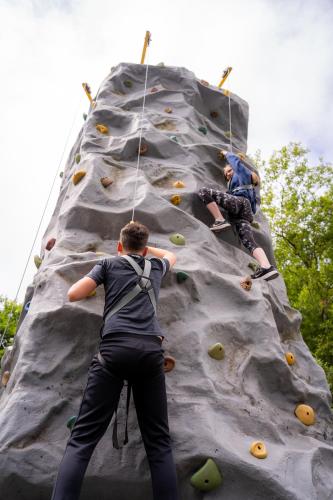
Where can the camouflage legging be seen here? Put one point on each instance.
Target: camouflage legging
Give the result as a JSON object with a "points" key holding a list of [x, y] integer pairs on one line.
{"points": [[239, 213]]}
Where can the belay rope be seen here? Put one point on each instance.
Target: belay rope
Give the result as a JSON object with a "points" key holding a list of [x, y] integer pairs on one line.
{"points": [[140, 138]]}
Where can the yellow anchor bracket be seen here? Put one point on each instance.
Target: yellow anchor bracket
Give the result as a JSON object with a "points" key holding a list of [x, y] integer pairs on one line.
{"points": [[225, 75], [145, 45], [87, 90]]}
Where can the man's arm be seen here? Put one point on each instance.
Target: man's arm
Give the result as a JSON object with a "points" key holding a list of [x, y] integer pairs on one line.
{"points": [[163, 254], [81, 289], [236, 163]]}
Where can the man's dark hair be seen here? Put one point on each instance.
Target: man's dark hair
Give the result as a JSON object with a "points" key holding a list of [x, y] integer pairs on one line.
{"points": [[134, 236]]}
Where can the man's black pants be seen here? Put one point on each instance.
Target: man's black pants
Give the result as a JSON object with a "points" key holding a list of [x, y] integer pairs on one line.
{"points": [[138, 359]]}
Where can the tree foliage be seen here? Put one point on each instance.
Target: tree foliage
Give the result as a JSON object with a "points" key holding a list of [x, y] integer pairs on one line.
{"points": [[298, 199], [9, 314]]}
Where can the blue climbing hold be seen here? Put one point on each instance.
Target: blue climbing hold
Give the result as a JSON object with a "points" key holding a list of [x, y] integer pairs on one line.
{"points": [[26, 307], [70, 422]]}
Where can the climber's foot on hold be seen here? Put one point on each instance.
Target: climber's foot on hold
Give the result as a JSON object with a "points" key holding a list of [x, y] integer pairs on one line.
{"points": [[267, 274], [220, 225]]}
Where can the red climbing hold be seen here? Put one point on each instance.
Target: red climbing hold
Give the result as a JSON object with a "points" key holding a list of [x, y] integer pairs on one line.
{"points": [[153, 90], [143, 149], [50, 244]]}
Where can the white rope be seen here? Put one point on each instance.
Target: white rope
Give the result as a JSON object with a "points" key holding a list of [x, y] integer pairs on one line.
{"points": [[140, 138], [40, 222], [230, 131]]}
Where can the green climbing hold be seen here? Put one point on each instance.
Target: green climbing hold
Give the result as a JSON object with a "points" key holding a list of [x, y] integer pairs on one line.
{"points": [[177, 239], [174, 138], [70, 422], [61, 175], [128, 83], [208, 478], [85, 116], [37, 261], [255, 224], [216, 351], [78, 158], [253, 265], [203, 130], [181, 276]]}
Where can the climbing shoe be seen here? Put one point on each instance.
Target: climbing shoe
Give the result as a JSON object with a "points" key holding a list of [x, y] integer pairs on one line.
{"points": [[220, 225], [266, 274]]}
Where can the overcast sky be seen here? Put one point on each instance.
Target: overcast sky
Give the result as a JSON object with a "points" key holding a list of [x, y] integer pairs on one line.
{"points": [[281, 52]]}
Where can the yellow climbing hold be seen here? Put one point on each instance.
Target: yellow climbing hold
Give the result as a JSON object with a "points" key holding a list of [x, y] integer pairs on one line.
{"points": [[178, 184], [106, 181], [290, 358], [305, 414], [216, 351], [242, 156], [5, 378], [246, 283], [168, 110], [177, 239], [100, 253], [221, 155], [92, 294], [207, 478], [175, 199], [103, 129], [258, 449], [37, 261], [78, 176], [226, 92]]}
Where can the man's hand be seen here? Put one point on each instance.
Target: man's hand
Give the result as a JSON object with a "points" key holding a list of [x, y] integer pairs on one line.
{"points": [[81, 289]]}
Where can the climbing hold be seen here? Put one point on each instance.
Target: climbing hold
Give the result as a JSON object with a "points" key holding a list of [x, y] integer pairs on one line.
{"points": [[204, 82], [228, 134], [78, 176], [50, 244], [5, 378], [181, 276], [143, 149], [70, 422], [255, 224], [27, 306], [177, 239], [128, 84], [175, 199], [85, 116], [103, 129], [174, 138], [226, 92], [253, 265], [92, 294], [246, 283], [290, 358], [169, 363], [242, 156], [161, 65], [106, 181], [61, 175], [221, 155], [203, 130], [37, 261], [78, 158], [166, 125], [154, 89], [207, 478], [258, 449], [216, 351], [305, 414], [178, 184], [168, 110], [100, 253], [214, 114]]}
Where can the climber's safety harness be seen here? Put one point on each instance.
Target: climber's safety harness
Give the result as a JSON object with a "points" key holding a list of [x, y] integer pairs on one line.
{"points": [[143, 286], [242, 188]]}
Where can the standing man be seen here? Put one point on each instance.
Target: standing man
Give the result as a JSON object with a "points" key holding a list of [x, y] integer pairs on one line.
{"points": [[130, 349], [240, 204]]}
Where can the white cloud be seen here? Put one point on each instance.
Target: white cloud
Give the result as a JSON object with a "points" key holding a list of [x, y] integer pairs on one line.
{"points": [[281, 52]]}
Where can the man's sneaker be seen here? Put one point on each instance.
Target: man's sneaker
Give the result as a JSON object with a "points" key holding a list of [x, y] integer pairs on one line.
{"points": [[266, 274], [220, 225]]}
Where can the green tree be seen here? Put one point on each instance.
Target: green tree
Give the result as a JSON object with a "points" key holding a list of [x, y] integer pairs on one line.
{"points": [[298, 199], [9, 314]]}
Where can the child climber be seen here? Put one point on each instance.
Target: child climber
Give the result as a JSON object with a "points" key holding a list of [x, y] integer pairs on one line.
{"points": [[240, 204], [130, 349]]}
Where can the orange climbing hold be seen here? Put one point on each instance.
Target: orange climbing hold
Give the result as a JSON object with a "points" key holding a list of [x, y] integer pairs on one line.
{"points": [[78, 176], [5, 378], [143, 149], [290, 358], [169, 363], [168, 110], [178, 184], [175, 199], [246, 283], [106, 181], [103, 129], [258, 449], [305, 414]]}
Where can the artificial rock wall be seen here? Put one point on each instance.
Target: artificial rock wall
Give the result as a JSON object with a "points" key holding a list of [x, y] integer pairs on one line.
{"points": [[217, 408]]}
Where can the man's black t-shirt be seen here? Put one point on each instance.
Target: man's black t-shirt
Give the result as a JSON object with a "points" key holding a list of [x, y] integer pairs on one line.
{"points": [[119, 278]]}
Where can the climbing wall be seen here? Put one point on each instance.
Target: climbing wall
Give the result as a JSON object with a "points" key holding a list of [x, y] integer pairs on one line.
{"points": [[222, 398]]}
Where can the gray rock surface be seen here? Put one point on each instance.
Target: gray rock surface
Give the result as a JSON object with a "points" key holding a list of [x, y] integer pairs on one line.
{"points": [[217, 408]]}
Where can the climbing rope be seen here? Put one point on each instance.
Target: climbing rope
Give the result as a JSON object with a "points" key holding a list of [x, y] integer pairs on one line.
{"points": [[230, 131], [140, 137], [40, 223]]}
